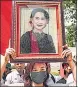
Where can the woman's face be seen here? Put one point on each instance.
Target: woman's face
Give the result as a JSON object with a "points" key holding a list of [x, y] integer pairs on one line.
{"points": [[39, 21], [38, 74], [38, 67], [68, 69]]}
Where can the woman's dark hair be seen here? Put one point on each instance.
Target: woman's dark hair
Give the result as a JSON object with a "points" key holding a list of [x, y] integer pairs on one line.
{"points": [[65, 64], [39, 10], [27, 77]]}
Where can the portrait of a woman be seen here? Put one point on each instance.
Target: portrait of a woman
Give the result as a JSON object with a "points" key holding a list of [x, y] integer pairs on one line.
{"points": [[36, 41]]}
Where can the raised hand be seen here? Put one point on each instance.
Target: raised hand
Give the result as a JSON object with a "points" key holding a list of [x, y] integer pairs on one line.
{"points": [[10, 53]]}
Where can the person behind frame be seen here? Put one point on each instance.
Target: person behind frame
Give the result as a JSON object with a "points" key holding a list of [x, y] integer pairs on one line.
{"points": [[36, 75], [36, 41]]}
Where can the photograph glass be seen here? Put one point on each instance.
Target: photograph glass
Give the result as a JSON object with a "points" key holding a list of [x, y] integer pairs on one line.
{"points": [[44, 35]]}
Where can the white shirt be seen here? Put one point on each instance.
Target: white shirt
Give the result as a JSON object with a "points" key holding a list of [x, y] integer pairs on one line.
{"points": [[14, 77], [70, 80], [50, 82], [17, 85], [57, 78]]}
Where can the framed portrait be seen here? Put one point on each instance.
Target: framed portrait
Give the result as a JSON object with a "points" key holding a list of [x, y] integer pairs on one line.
{"points": [[37, 30]]}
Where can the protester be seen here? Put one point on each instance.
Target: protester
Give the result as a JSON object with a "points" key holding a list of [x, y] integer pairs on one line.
{"points": [[67, 71], [52, 78], [70, 68], [47, 80], [4, 61], [68, 76], [15, 76], [68, 55]]}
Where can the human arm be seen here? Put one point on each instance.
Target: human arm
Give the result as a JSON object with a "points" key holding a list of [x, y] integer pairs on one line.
{"points": [[4, 60], [68, 55]]}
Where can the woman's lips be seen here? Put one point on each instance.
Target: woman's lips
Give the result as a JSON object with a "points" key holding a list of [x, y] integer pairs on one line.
{"points": [[39, 25]]}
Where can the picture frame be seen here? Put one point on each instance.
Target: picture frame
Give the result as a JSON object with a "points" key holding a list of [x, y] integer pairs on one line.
{"points": [[21, 11]]}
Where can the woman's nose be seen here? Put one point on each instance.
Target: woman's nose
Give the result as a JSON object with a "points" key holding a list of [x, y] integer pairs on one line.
{"points": [[19, 64], [40, 21]]}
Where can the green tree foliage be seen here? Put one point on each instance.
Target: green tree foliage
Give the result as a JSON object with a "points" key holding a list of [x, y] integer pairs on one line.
{"points": [[70, 19], [71, 35]]}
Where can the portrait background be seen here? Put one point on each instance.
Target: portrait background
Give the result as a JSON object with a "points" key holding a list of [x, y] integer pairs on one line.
{"points": [[50, 29]]}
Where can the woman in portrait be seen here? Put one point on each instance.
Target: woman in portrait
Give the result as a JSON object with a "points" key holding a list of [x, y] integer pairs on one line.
{"points": [[36, 41]]}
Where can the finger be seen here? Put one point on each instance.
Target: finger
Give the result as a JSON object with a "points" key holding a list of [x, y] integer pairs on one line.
{"points": [[65, 52], [68, 53], [11, 49], [13, 55], [9, 52]]}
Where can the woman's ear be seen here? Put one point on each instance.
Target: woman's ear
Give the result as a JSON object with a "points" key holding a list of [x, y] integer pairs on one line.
{"points": [[47, 21], [30, 21]]}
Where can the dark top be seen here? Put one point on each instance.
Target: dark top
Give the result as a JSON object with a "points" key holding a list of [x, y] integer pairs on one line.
{"points": [[45, 43], [62, 80]]}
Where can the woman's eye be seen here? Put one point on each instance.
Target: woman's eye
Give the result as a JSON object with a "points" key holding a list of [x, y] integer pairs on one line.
{"points": [[42, 69], [34, 70], [17, 64], [37, 18]]}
